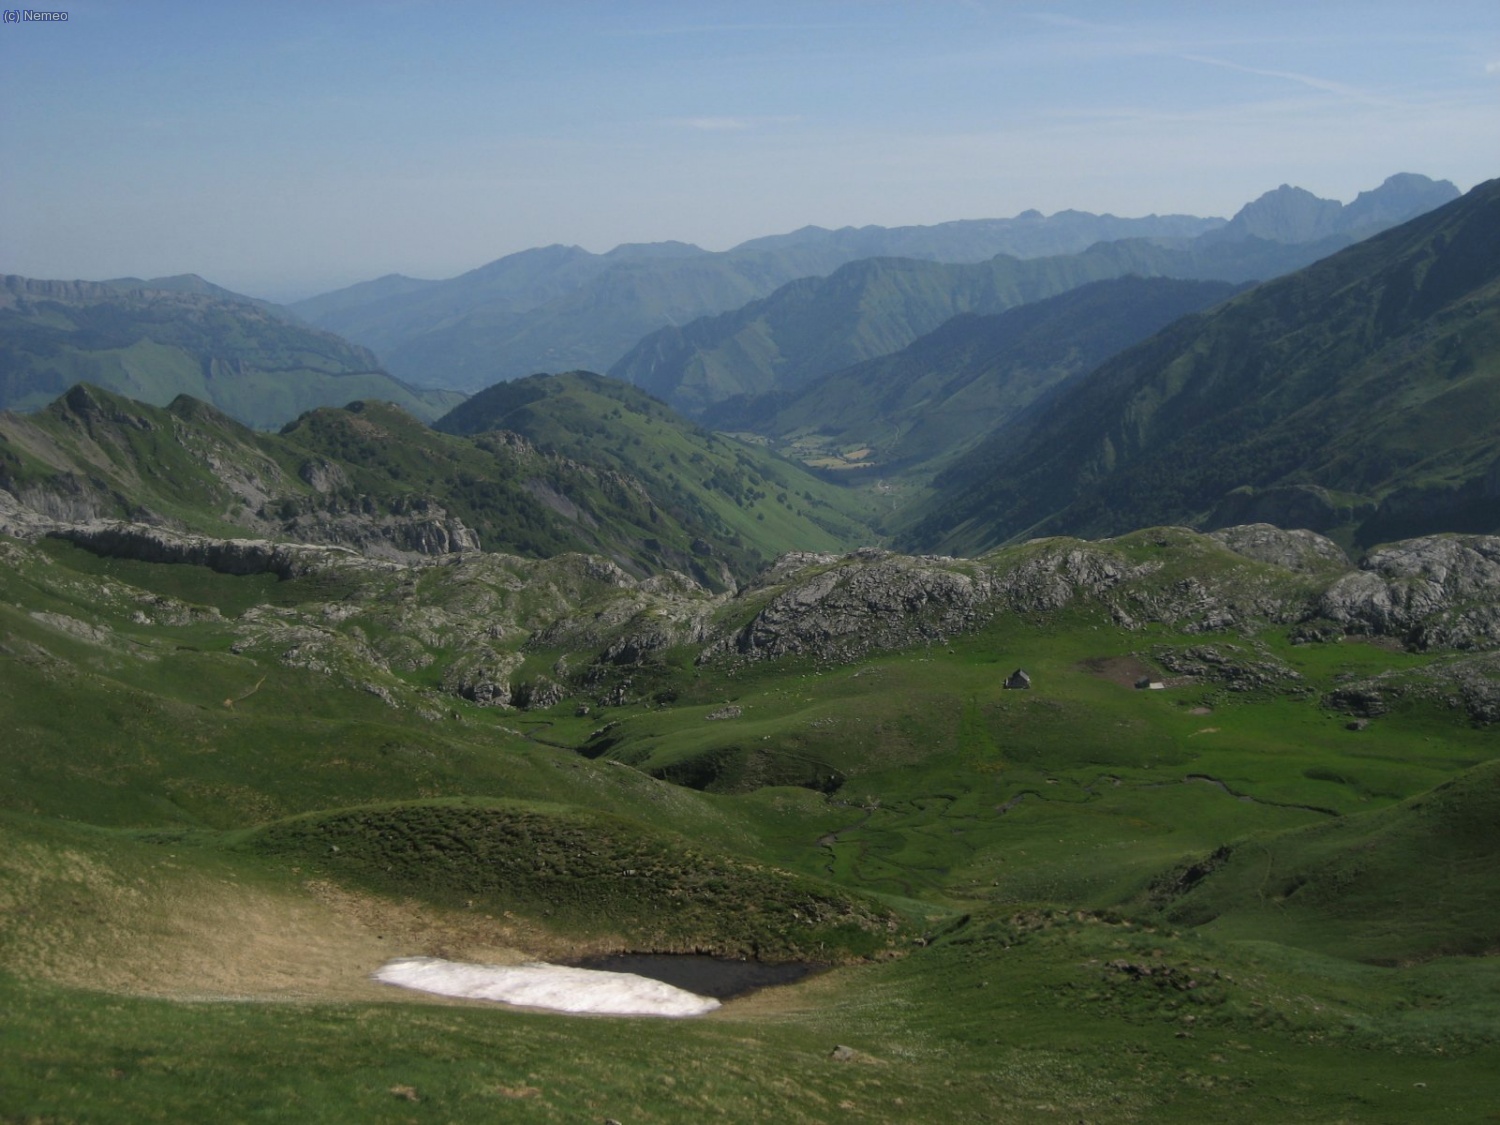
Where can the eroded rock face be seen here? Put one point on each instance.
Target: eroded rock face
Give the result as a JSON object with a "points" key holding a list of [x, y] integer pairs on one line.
{"points": [[67, 498], [74, 509], [226, 556], [417, 527], [1058, 573], [323, 475], [22, 521], [539, 694], [483, 677], [1437, 591]]}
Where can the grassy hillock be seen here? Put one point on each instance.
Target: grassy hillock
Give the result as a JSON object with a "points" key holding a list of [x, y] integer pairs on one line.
{"points": [[586, 872], [153, 341], [1401, 884]]}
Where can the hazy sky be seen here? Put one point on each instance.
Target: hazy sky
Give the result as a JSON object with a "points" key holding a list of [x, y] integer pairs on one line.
{"points": [[284, 149]]}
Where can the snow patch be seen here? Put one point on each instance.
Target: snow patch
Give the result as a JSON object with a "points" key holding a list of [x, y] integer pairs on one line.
{"points": [[539, 985]]}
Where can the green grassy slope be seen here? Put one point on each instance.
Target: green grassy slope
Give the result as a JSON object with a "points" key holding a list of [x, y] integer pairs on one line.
{"points": [[333, 473], [1370, 375], [756, 501], [247, 358], [1409, 882], [1047, 960]]}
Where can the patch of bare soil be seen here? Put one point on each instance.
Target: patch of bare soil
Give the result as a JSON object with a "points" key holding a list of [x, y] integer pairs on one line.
{"points": [[1123, 670], [805, 997], [174, 933]]}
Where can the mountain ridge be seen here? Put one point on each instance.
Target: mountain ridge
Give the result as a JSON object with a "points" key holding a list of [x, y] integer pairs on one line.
{"points": [[157, 339], [813, 326], [922, 406], [1368, 374]]}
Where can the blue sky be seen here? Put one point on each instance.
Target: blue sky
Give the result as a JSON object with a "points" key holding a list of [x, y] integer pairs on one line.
{"points": [[285, 149]]}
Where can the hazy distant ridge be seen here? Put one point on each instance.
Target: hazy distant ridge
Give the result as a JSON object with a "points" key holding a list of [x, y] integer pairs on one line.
{"points": [[872, 307], [556, 308], [154, 340]]}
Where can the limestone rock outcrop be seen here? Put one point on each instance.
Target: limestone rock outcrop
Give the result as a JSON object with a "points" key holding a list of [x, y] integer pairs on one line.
{"points": [[1440, 591]]}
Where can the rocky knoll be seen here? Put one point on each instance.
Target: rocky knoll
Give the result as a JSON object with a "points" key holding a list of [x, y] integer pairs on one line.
{"points": [[1470, 682], [1433, 592], [873, 599], [1299, 549]]}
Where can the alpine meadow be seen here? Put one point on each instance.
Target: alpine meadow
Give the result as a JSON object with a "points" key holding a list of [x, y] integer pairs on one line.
{"points": [[940, 669]]}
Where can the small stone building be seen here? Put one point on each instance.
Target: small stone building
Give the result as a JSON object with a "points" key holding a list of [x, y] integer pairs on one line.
{"points": [[1018, 680]]}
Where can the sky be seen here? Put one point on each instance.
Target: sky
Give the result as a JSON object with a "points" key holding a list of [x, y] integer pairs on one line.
{"points": [[283, 150]]}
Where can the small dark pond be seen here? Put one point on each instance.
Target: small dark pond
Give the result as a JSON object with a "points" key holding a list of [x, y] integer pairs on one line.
{"points": [[718, 977]]}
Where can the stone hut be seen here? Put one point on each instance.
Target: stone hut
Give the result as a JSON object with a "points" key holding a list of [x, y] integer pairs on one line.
{"points": [[1018, 680]]}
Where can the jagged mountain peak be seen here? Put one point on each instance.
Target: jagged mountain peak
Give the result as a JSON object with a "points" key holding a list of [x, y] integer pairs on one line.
{"points": [[1294, 214]]}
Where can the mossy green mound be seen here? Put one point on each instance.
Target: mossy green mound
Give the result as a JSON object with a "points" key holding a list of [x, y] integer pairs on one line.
{"points": [[588, 872]]}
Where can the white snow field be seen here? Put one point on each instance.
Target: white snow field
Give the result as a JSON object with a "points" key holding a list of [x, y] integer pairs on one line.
{"points": [[539, 985]]}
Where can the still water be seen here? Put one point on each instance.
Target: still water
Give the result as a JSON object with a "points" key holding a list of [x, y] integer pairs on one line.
{"points": [[719, 977]]}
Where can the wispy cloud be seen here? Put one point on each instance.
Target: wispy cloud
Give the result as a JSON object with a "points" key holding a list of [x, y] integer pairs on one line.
{"points": [[1327, 85], [1493, 68]]}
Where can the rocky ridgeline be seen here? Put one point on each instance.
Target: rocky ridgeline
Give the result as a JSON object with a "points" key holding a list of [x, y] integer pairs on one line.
{"points": [[842, 608], [485, 619]]}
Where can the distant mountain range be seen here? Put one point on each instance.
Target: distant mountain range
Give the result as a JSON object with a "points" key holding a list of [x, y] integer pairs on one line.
{"points": [[1136, 382], [1358, 396], [557, 308], [560, 308], [154, 340], [873, 307]]}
